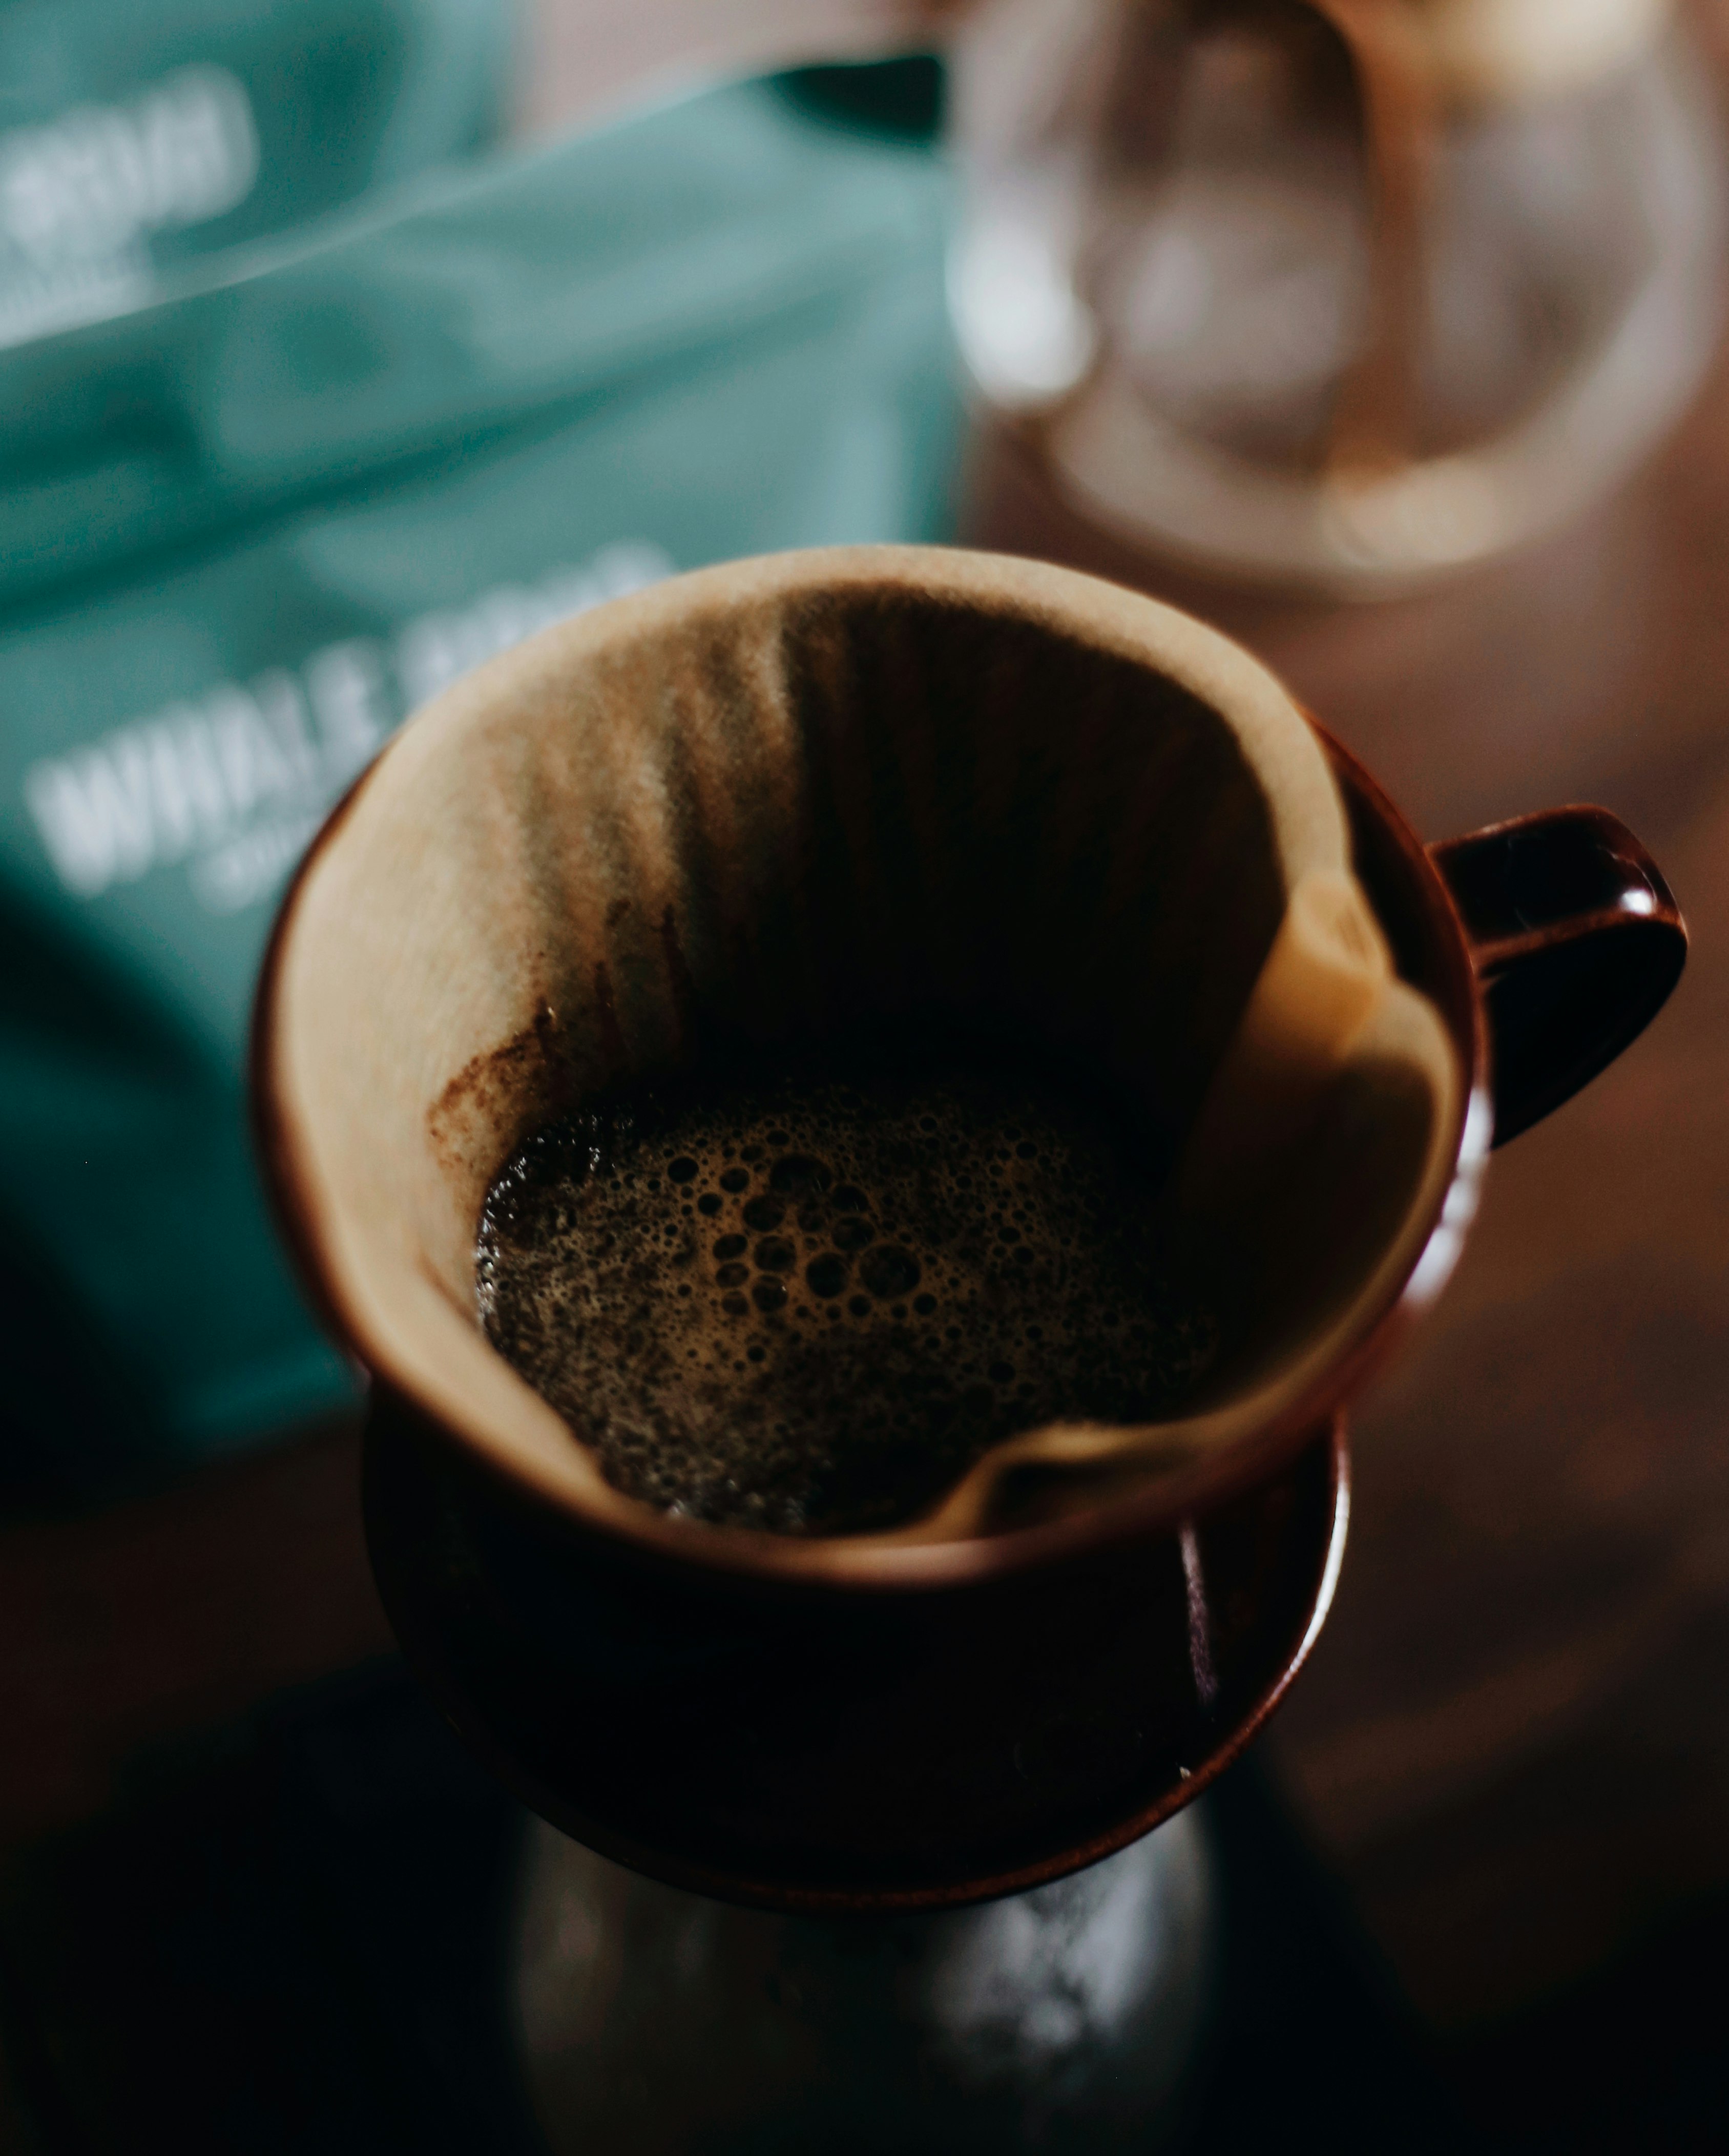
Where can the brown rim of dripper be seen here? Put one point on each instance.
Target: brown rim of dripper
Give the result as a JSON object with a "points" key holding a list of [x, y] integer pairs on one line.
{"points": [[893, 779]]}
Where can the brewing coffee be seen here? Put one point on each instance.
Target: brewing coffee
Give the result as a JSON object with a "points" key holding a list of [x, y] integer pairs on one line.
{"points": [[809, 1302]]}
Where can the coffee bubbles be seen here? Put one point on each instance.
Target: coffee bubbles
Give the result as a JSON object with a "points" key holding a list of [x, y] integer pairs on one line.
{"points": [[810, 1304]]}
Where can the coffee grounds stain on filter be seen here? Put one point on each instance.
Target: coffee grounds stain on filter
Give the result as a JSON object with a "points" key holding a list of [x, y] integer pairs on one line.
{"points": [[471, 1103]]}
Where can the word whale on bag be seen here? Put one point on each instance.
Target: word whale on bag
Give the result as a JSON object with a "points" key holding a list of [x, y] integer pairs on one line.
{"points": [[236, 782]]}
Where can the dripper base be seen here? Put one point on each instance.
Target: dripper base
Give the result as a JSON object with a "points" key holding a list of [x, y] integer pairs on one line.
{"points": [[824, 1752]]}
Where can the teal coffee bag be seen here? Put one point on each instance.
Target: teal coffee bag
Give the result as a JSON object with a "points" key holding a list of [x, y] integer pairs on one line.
{"points": [[245, 533]]}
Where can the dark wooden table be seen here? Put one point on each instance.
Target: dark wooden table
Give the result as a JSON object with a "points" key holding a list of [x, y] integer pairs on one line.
{"points": [[1514, 1739]]}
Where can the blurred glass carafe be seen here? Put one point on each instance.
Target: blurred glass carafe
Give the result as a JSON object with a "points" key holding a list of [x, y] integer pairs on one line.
{"points": [[1341, 293]]}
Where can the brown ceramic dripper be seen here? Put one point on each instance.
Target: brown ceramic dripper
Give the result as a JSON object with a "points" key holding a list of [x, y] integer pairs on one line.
{"points": [[757, 802]]}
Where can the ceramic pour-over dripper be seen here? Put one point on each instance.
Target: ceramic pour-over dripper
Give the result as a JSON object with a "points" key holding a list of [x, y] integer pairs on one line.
{"points": [[768, 801], [763, 803]]}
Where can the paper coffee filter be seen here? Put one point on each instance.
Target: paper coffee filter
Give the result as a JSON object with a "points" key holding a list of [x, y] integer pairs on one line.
{"points": [[788, 798]]}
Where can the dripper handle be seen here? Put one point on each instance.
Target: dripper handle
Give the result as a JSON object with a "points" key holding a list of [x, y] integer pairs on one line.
{"points": [[1576, 941]]}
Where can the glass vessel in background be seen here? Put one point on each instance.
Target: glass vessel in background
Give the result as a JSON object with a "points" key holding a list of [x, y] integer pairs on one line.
{"points": [[1340, 293]]}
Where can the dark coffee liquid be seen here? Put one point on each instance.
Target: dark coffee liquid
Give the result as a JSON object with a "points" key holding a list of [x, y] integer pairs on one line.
{"points": [[809, 1305]]}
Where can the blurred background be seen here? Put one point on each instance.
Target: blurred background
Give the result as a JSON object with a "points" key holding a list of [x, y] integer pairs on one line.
{"points": [[341, 347]]}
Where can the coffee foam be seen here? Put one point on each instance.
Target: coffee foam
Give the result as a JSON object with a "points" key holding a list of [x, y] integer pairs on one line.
{"points": [[809, 1305]]}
